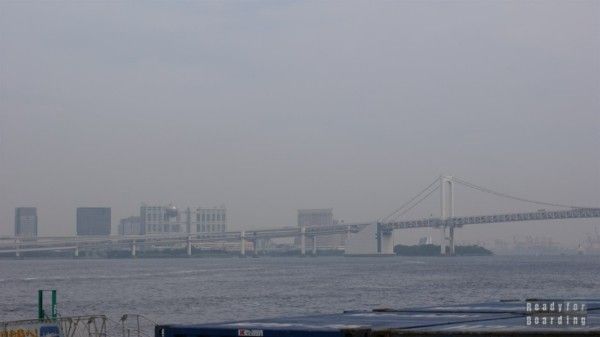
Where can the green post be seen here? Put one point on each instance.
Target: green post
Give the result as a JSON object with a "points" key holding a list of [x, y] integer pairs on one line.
{"points": [[54, 304], [40, 305], [41, 312]]}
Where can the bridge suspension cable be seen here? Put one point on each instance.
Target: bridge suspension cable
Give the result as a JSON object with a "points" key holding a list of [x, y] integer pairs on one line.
{"points": [[395, 214], [415, 204], [504, 195]]}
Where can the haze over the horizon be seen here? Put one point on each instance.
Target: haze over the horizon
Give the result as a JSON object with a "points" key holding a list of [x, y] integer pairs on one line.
{"points": [[268, 107]]}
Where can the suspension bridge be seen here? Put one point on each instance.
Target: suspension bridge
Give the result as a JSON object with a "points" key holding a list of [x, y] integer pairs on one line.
{"points": [[382, 228], [447, 222]]}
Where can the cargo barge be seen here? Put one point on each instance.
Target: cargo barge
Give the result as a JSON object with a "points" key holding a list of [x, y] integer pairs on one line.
{"points": [[533, 317]]}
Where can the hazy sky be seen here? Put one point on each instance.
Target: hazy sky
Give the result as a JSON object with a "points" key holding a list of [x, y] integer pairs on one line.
{"points": [[268, 107]]}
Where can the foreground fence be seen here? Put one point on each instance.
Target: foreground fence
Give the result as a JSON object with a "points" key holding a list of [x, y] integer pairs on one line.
{"points": [[129, 325]]}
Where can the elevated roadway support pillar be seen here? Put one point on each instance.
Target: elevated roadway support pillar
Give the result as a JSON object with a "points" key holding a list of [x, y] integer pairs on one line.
{"points": [[314, 245], [451, 238], [259, 245], [189, 245], [76, 253], [378, 238], [264, 244], [133, 249], [255, 247], [243, 244], [303, 241]]}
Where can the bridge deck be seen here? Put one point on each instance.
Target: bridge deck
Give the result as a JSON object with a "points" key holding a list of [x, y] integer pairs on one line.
{"points": [[40, 244], [497, 218]]}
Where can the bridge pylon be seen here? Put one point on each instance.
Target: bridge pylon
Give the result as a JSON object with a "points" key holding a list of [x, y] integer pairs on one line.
{"points": [[385, 244], [447, 211]]}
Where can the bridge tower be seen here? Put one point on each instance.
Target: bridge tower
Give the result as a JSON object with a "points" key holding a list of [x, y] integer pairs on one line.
{"points": [[385, 243], [447, 211]]}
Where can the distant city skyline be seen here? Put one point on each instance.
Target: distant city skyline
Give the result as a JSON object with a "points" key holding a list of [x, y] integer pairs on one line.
{"points": [[133, 225], [271, 107]]}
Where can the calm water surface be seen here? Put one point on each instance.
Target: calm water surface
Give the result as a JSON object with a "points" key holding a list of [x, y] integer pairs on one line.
{"points": [[203, 290]]}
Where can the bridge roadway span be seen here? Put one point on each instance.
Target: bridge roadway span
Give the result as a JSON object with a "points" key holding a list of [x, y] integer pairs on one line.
{"points": [[482, 219], [18, 245]]}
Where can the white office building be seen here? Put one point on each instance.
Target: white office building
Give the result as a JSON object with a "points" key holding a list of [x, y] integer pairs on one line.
{"points": [[160, 219], [211, 220]]}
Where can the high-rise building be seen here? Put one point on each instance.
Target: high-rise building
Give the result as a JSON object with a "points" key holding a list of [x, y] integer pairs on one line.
{"points": [[320, 217], [93, 221], [131, 226], [211, 220], [26, 222], [160, 219]]}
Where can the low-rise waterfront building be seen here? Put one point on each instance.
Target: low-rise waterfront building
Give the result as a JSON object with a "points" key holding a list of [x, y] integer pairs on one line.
{"points": [[131, 226]]}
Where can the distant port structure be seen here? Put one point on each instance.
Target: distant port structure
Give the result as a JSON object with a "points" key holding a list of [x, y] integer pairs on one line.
{"points": [[377, 232]]}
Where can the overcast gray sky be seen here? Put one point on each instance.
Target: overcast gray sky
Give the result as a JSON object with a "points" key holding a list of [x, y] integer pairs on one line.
{"points": [[268, 107]]}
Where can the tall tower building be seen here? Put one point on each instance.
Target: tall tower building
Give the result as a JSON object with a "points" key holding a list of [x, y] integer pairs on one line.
{"points": [[93, 220], [26, 222]]}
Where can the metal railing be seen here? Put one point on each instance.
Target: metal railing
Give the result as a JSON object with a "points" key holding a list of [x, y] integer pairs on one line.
{"points": [[129, 325]]}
